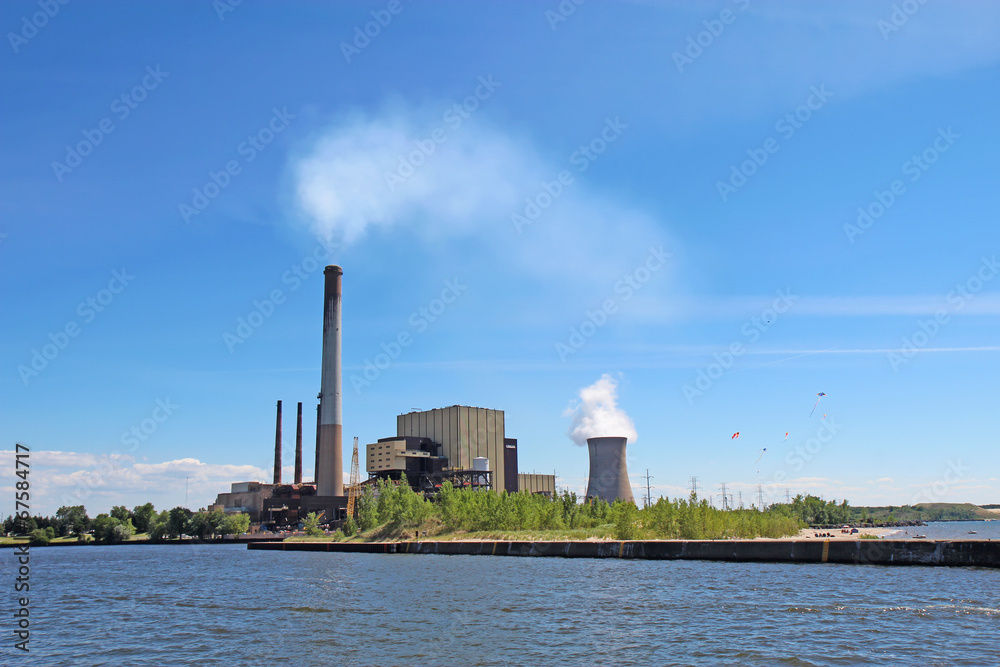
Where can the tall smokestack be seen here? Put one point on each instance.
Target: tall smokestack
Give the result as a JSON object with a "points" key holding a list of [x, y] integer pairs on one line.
{"points": [[316, 465], [277, 447], [608, 474], [330, 474], [298, 446]]}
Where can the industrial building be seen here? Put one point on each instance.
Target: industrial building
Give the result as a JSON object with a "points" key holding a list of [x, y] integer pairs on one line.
{"points": [[461, 444]]}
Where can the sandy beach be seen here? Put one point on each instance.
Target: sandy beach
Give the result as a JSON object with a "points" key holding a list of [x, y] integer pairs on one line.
{"points": [[835, 534]]}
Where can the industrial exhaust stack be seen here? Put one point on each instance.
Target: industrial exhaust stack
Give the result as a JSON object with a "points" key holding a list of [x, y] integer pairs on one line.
{"points": [[608, 474], [298, 446], [277, 447], [330, 464]]}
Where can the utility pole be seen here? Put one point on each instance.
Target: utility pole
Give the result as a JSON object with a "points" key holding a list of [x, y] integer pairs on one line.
{"points": [[694, 485], [649, 498], [724, 503]]}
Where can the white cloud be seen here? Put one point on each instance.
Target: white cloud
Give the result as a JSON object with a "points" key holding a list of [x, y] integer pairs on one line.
{"points": [[99, 481]]}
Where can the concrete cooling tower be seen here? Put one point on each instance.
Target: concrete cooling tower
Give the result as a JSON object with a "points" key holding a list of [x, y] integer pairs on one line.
{"points": [[608, 474]]}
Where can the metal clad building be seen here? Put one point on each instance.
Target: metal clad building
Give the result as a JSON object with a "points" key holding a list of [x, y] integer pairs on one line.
{"points": [[464, 432], [535, 483]]}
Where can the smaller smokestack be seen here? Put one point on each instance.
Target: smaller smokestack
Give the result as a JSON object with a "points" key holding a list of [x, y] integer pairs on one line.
{"points": [[298, 446], [277, 447], [316, 469]]}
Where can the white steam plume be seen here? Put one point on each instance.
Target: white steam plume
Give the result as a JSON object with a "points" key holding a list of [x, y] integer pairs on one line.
{"points": [[597, 414]]}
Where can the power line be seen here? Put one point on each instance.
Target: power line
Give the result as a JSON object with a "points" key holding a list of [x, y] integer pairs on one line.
{"points": [[649, 499]]}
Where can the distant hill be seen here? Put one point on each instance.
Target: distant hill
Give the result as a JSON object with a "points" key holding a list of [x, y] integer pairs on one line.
{"points": [[959, 510], [926, 512]]}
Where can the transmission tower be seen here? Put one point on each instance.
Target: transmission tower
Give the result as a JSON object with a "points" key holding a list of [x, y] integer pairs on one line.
{"points": [[352, 490], [724, 501], [649, 499], [694, 485], [760, 497], [788, 497], [741, 499]]}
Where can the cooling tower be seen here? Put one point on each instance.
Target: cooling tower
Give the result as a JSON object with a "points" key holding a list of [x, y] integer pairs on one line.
{"points": [[608, 474], [330, 461]]}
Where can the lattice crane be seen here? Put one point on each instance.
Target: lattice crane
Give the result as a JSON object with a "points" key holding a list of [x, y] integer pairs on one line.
{"points": [[355, 483]]}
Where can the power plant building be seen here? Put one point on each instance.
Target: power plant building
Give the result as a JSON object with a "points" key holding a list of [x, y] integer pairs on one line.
{"points": [[453, 443]]}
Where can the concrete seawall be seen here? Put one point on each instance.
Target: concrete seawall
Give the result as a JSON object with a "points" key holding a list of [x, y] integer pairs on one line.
{"points": [[975, 553]]}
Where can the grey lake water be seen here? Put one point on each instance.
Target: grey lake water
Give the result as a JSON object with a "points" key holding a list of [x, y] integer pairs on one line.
{"points": [[225, 605]]}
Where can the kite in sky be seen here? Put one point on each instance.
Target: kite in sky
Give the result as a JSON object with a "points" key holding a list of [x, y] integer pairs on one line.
{"points": [[761, 456], [735, 435], [820, 398], [786, 435]]}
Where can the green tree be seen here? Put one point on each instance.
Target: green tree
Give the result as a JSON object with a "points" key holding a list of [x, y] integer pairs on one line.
{"points": [[312, 525], [159, 525], [142, 516], [42, 536], [74, 520], [235, 524], [121, 513], [110, 530], [178, 522]]}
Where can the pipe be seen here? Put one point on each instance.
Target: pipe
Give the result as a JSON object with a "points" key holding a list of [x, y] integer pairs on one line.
{"points": [[298, 446], [330, 477], [277, 447]]}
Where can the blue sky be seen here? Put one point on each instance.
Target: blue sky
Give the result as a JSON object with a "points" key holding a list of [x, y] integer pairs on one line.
{"points": [[686, 175]]}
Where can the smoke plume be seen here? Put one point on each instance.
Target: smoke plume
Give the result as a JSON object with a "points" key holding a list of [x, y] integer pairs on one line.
{"points": [[596, 413]]}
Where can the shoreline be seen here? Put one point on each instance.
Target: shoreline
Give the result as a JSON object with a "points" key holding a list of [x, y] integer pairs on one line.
{"points": [[954, 553]]}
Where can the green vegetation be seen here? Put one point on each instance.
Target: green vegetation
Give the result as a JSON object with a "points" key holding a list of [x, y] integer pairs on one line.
{"points": [[312, 525], [123, 525], [397, 512], [921, 512]]}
